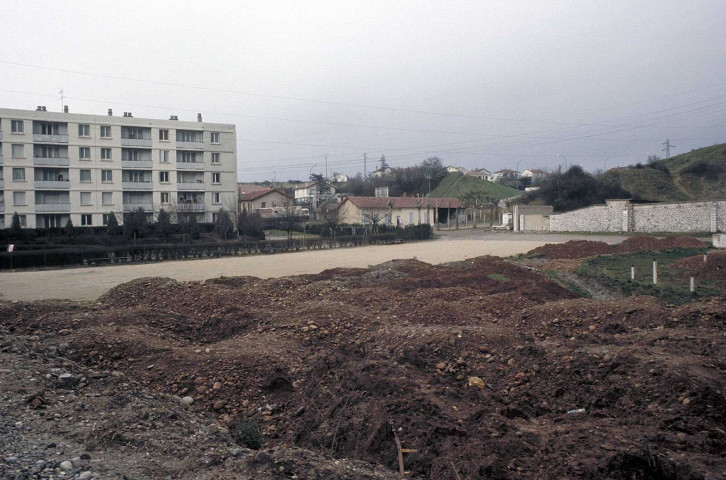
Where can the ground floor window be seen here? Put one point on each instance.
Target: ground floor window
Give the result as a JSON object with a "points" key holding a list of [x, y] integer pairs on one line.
{"points": [[87, 220]]}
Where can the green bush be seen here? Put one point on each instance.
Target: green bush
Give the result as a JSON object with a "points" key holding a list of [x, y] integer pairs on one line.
{"points": [[246, 434]]}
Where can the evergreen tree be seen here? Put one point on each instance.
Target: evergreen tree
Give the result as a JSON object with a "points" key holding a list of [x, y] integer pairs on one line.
{"points": [[112, 228], [163, 223], [15, 228], [224, 226]]}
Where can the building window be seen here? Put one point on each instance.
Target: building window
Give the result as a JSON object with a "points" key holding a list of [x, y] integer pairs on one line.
{"points": [[217, 198], [17, 126], [84, 153], [85, 198], [216, 177], [106, 176], [215, 158], [105, 131], [85, 175], [105, 218], [87, 220], [23, 220], [105, 154], [188, 136], [18, 174], [18, 151], [18, 198], [164, 177], [84, 130], [214, 137], [164, 135], [165, 197], [163, 156], [107, 198]]}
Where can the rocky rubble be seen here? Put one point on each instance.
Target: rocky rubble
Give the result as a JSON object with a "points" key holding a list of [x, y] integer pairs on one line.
{"points": [[480, 369]]}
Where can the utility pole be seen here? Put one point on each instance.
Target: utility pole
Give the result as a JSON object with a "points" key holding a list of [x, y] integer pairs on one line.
{"points": [[668, 147], [326, 166], [63, 105], [365, 165]]}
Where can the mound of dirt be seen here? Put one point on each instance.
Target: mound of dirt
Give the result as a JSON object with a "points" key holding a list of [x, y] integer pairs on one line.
{"points": [[587, 248], [640, 243], [572, 249], [713, 268], [481, 369]]}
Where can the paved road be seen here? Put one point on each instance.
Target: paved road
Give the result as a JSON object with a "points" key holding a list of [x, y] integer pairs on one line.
{"points": [[88, 283]]}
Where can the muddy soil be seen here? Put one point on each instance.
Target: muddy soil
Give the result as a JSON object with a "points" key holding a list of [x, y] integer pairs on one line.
{"points": [[477, 369], [587, 248]]}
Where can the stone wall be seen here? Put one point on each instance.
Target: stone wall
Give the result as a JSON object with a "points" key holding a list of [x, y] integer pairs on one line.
{"points": [[623, 216]]}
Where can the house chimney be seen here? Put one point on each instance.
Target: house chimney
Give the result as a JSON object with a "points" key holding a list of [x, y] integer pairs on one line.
{"points": [[40, 108], [173, 117], [199, 117], [65, 108], [130, 114], [110, 112]]}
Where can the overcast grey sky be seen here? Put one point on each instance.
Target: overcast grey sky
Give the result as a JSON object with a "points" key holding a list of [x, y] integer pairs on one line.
{"points": [[479, 84]]}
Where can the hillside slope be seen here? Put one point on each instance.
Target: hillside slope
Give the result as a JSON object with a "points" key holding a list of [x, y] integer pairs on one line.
{"points": [[458, 185], [697, 175]]}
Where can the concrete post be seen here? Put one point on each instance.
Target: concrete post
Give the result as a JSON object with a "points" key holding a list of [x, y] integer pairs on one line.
{"points": [[655, 272], [693, 285], [632, 272]]}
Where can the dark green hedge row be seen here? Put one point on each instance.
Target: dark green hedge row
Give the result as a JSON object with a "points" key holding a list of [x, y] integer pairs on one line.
{"points": [[98, 254]]}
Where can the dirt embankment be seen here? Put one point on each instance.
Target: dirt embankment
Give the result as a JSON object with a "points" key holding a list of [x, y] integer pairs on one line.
{"points": [[586, 248], [480, 369]]}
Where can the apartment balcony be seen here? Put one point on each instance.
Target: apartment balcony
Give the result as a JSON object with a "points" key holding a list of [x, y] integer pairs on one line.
{"points": [[189, 145], [190, 186], [2, 183], [42, 138], [137, 164], [51, 161], [1, 136], [52, 207], [52, 185], [137, 185], [135, 142], [2, 206], [132, 207], [190, 165], [1, 158], [191, 207]]}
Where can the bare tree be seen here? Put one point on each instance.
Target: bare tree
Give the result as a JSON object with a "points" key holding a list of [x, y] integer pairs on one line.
{"points": [[331, 218], [288, 216], [233, 204], [373, 216]]}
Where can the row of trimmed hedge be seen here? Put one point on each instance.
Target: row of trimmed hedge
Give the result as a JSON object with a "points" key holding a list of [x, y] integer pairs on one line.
{"points": [[99, 254]]}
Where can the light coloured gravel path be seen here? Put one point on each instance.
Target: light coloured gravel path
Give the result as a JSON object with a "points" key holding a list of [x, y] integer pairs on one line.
{"points": [[88, 283]]}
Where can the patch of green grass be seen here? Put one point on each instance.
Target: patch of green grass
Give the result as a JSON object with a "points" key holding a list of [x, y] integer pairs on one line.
{"points": [[458, 185], [498, 276], [672, 286]]}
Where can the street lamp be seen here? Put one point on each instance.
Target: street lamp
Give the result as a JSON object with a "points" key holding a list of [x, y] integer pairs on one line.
{"points": [[563, 156], [605, 165], [310, 213]]}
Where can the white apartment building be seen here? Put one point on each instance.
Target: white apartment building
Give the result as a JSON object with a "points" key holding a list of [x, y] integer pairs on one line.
{"points": [[55, 166]]}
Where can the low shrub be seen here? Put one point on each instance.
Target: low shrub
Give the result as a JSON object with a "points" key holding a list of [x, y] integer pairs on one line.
{"points": [[246, 434]]}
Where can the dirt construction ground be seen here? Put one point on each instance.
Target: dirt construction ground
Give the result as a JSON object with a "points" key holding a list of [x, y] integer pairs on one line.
{"points": [[478, 369], [90, 283]]}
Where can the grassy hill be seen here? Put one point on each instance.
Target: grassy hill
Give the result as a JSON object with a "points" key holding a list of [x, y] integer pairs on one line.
{"points": [[697, 175], [458, 185]]}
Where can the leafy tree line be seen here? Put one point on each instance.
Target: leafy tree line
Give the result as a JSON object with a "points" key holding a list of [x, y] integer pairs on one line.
{"points": [[409, 181], [576, 188]]}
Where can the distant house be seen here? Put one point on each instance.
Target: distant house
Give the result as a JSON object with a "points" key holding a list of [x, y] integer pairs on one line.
{"points": [[481, 173], [504, 175], [535, 174], [264, 201], [314, 193], [398, 211], [339, 178], [453, 169], [382, 172]]}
